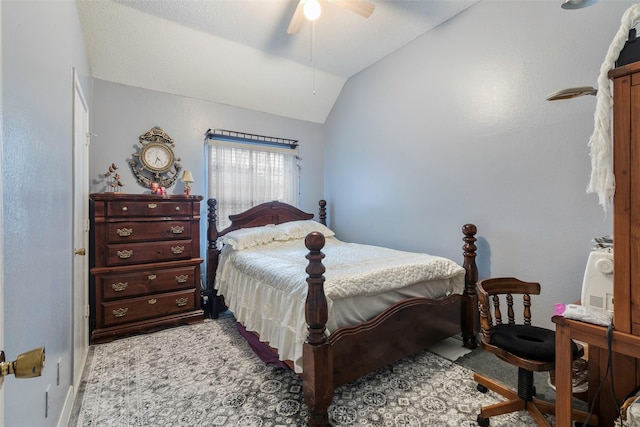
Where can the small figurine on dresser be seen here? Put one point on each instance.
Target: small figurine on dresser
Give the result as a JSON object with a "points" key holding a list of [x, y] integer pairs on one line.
{"points": [[156, 189], [113, 178]]}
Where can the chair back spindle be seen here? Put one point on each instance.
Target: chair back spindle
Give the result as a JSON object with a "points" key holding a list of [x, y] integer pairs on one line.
{"points": [[510, 314], [526, 299], [485, 320], [496, 309]]}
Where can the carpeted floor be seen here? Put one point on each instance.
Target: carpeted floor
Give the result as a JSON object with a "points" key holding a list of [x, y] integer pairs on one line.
{"points": [[205, 375]]}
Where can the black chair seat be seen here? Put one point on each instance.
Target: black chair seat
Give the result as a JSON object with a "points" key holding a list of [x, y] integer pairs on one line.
{"points": [[529, 342]]}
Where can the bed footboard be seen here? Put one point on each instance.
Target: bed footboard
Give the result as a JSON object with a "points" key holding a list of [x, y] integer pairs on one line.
{"points": [[351, 352], [371, 345]]}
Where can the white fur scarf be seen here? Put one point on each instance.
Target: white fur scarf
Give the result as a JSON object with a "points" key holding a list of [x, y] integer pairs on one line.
{"points": [[602, 178]]}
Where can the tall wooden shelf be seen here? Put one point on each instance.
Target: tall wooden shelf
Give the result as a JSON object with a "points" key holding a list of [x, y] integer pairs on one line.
{"points": [[625, 339], [626, 244], [626, 206]]}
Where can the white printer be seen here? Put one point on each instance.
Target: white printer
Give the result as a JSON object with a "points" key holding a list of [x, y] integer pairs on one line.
{"points": [[597, 286]]}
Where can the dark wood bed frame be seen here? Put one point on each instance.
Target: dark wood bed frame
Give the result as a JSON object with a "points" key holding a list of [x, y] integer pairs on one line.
{"points": [[403, 329]]}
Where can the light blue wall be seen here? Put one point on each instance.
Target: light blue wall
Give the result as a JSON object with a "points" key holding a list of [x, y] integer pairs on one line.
{"points": [[122, 113], [455, 128], [41, 43]]}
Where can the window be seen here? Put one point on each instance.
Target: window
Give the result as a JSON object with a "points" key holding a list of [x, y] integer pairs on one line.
{"points": [[244, 174]]}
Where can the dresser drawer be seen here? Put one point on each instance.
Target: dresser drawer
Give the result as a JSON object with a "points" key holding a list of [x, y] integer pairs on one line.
{"points": [[120, 209], [142, 253], [132, 309], [154, 280], [130, 231]]}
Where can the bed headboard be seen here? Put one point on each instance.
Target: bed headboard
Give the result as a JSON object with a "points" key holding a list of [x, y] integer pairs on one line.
{"points": [[266, 213]]}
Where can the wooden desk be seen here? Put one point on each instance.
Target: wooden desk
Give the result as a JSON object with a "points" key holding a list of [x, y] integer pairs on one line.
{"points": [[625, 350]]}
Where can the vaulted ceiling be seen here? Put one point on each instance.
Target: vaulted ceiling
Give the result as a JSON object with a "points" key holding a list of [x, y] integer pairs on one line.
{"points": [[238, 52]]}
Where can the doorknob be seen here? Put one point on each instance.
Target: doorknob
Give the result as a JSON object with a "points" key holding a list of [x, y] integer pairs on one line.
{"points": [[27, 365], [81, 251]]}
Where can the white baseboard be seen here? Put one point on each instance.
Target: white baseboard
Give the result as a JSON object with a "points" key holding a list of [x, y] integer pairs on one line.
{"points": [[66, 409]]}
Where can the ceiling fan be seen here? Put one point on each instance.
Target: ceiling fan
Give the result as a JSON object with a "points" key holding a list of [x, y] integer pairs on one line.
{"points": [[310, 9]]}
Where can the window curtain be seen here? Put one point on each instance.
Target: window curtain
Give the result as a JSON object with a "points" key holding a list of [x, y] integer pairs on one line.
{"points": [[242, 175]]}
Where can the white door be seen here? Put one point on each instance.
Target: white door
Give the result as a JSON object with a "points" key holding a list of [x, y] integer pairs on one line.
{"points": [[1, 228], [80, 232]]}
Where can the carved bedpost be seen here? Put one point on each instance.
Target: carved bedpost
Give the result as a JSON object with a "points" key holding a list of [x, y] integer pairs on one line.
{"points": [[215, 304], [470, 312], [212, 229], [317, 376], [323, 212]]}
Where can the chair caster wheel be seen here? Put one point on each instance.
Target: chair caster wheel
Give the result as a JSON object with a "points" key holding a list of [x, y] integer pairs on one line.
{"points": [[483, 422], [481, 389]]}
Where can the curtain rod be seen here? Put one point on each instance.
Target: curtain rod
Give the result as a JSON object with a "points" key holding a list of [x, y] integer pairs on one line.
{"points": [[249, 137]]}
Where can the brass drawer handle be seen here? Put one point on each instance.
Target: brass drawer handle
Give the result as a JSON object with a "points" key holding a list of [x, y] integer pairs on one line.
{"points": [[124, 232], [177, 229], [153, 301], [177, 250], [120, 312], [152, 277], [124, 254], [181, 302], [152, 205], [120, 286], [182, 278]]}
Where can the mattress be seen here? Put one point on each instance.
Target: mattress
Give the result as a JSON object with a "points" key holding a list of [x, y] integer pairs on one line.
{"points": [[265, 286]]}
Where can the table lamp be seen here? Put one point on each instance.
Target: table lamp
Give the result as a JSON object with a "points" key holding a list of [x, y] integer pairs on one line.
{"points": [[187, 178]]}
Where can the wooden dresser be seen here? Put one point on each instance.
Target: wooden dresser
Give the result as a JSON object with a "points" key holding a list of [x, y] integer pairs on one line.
{"points": [[145, 263]]}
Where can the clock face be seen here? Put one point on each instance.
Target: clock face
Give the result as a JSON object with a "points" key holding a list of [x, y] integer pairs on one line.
{"points": [[156, 157]]}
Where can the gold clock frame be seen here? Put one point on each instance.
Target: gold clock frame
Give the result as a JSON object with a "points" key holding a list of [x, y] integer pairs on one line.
{"points": [[145, 174]]}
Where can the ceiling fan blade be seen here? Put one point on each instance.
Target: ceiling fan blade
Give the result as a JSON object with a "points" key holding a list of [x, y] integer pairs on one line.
{"points": [[361, 7], [296, 19]]}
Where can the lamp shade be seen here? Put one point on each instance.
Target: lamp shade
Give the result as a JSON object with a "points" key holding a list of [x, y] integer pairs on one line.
{"points": [[187, 177]]}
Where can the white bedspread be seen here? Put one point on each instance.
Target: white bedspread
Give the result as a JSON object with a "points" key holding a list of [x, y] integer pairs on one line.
{"points": [[265, 286]]}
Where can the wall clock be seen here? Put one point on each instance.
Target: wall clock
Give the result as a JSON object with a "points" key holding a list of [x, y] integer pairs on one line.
{"points": [[155, 160]]}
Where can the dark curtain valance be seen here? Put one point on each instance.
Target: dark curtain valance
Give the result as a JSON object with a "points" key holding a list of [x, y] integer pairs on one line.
{"points": [[249, 137]]}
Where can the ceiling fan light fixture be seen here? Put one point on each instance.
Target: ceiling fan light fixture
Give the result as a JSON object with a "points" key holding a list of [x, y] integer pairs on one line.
{"points": [[577, 4], [312, 9]]}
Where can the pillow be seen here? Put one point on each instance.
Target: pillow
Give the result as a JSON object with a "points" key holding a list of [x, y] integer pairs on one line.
{"points": [[300, 229], [248, 237]]}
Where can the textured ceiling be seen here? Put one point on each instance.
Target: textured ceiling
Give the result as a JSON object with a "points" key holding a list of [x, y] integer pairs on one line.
{"points": [[238, 52]]}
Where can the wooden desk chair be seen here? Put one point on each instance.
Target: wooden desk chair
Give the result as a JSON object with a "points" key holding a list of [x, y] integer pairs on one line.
{"points": [[530, 348]]}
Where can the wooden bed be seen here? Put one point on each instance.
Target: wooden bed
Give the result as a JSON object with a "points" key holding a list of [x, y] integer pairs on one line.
{"points": [[352, 352]]}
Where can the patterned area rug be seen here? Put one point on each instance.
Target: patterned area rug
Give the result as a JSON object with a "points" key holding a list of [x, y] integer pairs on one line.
{"points": [[206, 375]]}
